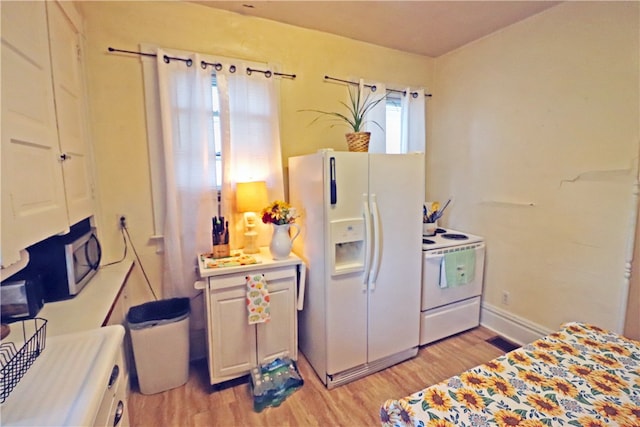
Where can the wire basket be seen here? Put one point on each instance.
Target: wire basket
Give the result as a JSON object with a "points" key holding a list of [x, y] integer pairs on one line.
{"points": [[16, 361]]}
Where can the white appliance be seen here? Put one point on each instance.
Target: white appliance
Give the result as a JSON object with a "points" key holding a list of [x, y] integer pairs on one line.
{"points": [[450, 307], [76, 381], [360, 239]]}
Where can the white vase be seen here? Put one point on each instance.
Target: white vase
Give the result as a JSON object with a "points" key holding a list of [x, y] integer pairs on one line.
{"points": [[281, 242]]}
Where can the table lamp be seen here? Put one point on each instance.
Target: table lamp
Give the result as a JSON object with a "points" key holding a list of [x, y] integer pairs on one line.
{"points": [[251, 197]]}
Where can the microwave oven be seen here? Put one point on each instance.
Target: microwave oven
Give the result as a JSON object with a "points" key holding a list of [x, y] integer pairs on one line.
{"points": [[65, 263]]}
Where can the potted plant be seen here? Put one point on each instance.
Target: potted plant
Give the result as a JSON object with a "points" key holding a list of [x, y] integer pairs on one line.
{"points": [[355, 118]]}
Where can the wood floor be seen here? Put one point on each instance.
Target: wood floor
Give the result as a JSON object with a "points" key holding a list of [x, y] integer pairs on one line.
{"points": [[354, 404]]}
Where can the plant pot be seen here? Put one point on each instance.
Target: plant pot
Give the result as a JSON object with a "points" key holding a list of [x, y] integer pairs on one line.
{"points": [[358, 141]]}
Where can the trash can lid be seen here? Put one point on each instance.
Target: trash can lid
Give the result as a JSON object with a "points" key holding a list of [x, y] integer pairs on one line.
{"points": [[159, 310]]}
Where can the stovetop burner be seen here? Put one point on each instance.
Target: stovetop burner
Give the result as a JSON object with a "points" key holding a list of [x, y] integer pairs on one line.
{"points": [[444, 238], [454, 236]]}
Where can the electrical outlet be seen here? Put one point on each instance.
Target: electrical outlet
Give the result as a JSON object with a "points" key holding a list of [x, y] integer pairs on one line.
{"points": [[505, 298], [122, 221]]}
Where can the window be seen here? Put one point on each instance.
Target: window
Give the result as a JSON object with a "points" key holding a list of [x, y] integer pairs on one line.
{"points": [[217, 134], [252, 152], [393, 132]]}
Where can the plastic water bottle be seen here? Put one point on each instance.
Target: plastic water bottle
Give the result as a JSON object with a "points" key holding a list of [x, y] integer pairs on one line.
{"points": [[274, 382], [258, 388]]}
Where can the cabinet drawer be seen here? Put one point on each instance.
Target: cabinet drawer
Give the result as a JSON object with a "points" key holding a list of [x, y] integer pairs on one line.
{"points": [[449, 320], [239, 279]]}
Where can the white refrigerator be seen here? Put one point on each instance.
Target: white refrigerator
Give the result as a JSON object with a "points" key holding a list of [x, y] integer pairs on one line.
{"points": [[361, 239]]}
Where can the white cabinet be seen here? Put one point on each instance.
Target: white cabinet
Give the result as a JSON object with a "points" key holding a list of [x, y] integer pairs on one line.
{"points": [[235, 346], [65, 37], [120, 307], [113, 409], [33, 205], [46, 183]]}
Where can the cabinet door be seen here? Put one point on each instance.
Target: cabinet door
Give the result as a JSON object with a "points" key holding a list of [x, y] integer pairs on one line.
{"points": [[233, 349], [278, 336], [33, 201], [65, 35], [394, 304]]}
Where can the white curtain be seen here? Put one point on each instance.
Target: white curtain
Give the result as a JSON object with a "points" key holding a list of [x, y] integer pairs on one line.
{"points": [[189, 154], [378, 114], [250, 140], [413, 135]]}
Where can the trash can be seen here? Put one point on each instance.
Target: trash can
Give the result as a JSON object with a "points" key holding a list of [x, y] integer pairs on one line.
{"points": [[160, 341]]}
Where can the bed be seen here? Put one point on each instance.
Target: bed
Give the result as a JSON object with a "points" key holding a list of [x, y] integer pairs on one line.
{"points": [[581, 375]]}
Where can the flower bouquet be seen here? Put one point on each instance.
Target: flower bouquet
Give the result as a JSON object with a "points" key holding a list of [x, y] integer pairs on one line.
{"points": [[282, 216], [279, 213]]}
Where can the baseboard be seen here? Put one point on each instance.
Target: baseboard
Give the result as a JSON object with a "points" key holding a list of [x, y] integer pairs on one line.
{"points": [[510, 326]]}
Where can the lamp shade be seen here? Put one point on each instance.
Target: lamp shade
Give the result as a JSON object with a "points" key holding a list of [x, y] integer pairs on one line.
{"points": [[251, 196]]}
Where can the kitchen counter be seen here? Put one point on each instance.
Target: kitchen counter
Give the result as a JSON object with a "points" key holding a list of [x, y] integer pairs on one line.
{"points": [[66, 383], [263, 260], [91, 307]]}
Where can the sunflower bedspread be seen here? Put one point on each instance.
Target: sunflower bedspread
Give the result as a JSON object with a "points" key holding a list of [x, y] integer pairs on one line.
{"points": [[581, 376]]}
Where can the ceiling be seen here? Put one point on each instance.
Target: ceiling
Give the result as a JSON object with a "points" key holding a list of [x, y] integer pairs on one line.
{"points": [[430, 28]]}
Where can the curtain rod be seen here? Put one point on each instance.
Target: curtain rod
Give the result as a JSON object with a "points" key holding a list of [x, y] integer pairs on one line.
{"points": [[204, 64], [373, 87]]}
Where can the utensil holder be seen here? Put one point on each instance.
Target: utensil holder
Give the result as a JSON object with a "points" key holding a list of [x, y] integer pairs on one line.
{"points": [[220, 251], [429, 228]]}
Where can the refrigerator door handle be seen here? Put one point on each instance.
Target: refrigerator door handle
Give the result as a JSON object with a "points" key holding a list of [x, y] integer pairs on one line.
{"points": [[302, 282], [332, 180], [375, 267], [367, 240]]}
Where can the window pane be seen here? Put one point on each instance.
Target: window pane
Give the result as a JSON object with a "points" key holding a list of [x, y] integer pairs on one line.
{"points": [[394, 125], [217, 136]]}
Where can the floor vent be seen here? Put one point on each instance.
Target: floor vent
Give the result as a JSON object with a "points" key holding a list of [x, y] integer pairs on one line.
{"points": [[502, 344]]}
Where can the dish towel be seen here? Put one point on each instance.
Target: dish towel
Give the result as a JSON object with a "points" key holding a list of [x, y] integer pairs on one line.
{"points": [[457, 268], [258, 299]]}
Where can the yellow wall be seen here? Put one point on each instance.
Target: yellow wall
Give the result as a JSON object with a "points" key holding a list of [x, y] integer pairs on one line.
{"points": [[117, 98], [535, 134], [632, 321], [533, 131]]}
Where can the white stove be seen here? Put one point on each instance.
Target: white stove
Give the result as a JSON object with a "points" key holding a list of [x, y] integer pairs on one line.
{"points": [[445, 238], [452, 281]]}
